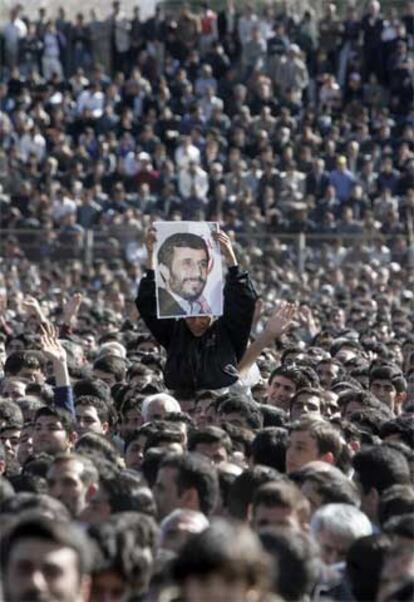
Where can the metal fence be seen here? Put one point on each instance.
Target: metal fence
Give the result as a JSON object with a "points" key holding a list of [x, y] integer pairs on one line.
{"points": [[123, 243]]}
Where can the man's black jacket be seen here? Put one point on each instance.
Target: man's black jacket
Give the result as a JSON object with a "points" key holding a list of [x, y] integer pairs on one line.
{"points": [[209, 361]]}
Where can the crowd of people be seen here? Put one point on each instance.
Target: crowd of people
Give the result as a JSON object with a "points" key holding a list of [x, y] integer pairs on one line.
{"points": [[262, 456]]}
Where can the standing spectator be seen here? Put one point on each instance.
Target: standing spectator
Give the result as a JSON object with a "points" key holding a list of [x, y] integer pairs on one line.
{"points": [[81, 44], [121, 38], [52, 44], [14, 32], [342, 179], [372, 25]]}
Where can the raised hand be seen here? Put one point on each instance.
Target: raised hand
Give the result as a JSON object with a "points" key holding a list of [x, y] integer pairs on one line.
{"points": [[150, 240], [71, 308], [32, 307], [226, 247], [51, 346], [281, 319]]}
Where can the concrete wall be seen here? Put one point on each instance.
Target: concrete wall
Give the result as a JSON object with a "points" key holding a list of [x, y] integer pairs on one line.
{"points": [[102, 7]]}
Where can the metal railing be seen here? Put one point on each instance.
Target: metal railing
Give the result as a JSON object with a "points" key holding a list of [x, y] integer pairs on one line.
{"points": [[122, 243]]}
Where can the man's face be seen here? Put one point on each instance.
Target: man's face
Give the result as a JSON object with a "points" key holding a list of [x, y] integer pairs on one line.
{"points": [[65, 484], [302, 449], [87, 420], [109, 586], [327, 372], [165, 491], [49, 436], [277, 516], [216, 452], [305, 404], [134, 454], [13, 389], [384, 391], [10, 439], [280, 391], [131, 421], [333, 548], [42, 571], [187, 275]]}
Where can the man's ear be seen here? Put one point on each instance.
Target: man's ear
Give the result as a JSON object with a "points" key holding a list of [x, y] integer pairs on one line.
{"points": [[400, 399], [105, 427], [72, 438], [91, 491], [2, 466], [328, 458], [189, 499]]}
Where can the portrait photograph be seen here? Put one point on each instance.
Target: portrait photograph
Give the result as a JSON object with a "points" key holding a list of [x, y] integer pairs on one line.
{"points": [[188, 270]]}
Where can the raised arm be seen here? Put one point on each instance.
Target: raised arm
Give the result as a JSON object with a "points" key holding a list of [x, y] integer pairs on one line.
{"points": [[146, 300], [277, 325], [239, 299]]}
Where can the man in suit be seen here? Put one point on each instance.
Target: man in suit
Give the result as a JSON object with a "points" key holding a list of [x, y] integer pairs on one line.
{"points": [[183, 261]]}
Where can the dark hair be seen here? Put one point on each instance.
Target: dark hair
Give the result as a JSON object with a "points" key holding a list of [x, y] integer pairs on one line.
{"points": [[394, 375], [61, 414], [101, 406], [94, 443], [152, 461], [112, 365], [296, 562], [21, 359], [92, 386], [209, 435], [89, 473], [292, 373], [182, 240], [242, 405], [380, 467], [363, 398], [364, 562], [328, 438], [195, 471], [283, 494], [6, 490], [245, 486], [332, 486], [403, 426], [122, 544], [400, 526], [273, 416], [36, 502], [395, 501], [269, 448], [11, 415], [54, 531], [226, 549]]}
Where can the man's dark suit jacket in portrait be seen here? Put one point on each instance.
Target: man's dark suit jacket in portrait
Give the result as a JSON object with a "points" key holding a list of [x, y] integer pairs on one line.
{"points": [[168, 306]]}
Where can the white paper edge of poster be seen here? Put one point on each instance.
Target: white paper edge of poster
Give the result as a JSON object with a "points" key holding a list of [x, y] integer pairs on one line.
{"points": [[214, 286]]}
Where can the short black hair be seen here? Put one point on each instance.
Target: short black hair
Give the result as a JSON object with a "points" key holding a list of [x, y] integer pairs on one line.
{"points": [[380, 467], [296, 560], [292, 373], [47, 529], [195, 471], [182, 240], [390, 373], [269, 447], [63, 415], [248, 409]]}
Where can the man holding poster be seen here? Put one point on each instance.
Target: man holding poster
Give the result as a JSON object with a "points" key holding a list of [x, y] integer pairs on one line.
{"points": [[188, 270], [207, 341]]}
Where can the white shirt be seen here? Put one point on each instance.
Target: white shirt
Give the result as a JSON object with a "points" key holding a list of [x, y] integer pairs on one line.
{"points": [[183, 156], [198, 181]]}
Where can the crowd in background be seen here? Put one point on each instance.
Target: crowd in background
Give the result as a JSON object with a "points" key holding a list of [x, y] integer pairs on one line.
{"points": [[295, 483]]}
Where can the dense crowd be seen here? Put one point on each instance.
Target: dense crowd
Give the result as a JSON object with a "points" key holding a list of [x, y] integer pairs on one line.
{"points": [[265, 455]]}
